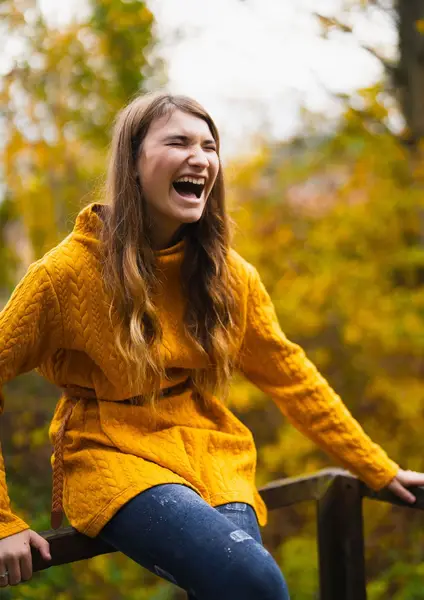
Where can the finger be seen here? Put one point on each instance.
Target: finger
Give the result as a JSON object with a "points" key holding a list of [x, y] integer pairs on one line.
{"points": [[41, 544], [12, 565], [398, 489], [26, 566], [4, 581], [412, 478]]}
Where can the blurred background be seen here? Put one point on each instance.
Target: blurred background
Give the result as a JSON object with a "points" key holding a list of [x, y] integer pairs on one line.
{"points": [[320, 105]]}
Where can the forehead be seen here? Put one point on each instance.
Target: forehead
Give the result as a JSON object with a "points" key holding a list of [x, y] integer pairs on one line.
{"points": [[179, 123]]}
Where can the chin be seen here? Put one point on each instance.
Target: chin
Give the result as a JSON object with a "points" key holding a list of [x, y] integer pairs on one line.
{"points": [[190, 217], [193, 219]]}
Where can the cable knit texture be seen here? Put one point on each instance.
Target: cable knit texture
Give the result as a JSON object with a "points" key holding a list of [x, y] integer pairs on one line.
{"points": [[57, 320]]}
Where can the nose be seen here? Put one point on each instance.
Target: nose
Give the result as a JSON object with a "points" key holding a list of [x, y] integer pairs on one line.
{"points": [[198, 157]]}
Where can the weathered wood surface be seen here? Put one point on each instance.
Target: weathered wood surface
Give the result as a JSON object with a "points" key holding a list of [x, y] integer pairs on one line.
{"points": [[68, 545], [341, 541]]}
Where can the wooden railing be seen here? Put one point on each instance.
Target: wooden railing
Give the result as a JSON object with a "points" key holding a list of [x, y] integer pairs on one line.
{"points": [[338, 496]]}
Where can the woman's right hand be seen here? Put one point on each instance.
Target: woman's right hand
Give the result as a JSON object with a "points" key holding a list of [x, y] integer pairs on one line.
{"points": [[15, 556]]}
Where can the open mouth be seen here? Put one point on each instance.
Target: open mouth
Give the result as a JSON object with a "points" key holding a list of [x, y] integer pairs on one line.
{"points": [[189, 187]]}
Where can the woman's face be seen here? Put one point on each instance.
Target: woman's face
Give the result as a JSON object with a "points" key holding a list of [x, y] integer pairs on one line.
{"points": [[177, 168]]}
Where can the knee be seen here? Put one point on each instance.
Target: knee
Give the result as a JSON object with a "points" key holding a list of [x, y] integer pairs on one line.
{"points": [[267, 582], [259, 580]]}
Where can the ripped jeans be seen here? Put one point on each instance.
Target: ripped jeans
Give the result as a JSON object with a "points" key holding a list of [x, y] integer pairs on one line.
{"points": [[212, 553]]}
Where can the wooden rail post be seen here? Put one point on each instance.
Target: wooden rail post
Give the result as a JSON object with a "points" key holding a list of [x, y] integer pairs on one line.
{"points": [[341, 541]]}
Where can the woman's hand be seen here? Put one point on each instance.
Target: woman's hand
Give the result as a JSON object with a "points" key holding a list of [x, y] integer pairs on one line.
{"points": [[15, 556], [403, 480]]}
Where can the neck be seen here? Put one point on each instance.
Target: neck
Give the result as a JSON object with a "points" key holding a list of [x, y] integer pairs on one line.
{"points": [[164, 239]]}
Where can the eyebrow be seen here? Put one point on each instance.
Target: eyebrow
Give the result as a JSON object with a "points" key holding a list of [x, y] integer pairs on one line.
{"points": [[185, 139]]}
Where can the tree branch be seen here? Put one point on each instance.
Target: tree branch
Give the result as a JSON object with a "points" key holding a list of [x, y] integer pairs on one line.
{"points": [[331, 23]]}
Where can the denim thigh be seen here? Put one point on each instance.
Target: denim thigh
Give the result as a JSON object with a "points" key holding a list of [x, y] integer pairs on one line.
{"points": [[209, 552], [244, 517]]}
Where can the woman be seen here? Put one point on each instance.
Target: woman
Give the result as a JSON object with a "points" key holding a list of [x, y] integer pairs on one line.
{"points": [[140, 315]]}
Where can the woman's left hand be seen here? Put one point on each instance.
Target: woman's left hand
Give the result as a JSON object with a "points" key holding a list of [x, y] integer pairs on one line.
{"points": [[403, 480]]}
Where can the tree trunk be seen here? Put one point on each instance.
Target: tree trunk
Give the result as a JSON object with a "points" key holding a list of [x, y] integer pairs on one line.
{"points": [[411, 65]]}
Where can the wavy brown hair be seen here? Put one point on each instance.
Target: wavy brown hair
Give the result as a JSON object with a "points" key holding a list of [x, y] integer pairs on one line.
{"points": [[129, 268]]}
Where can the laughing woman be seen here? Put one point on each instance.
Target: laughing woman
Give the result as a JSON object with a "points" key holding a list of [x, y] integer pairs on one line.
{"points": [[141, 315]]}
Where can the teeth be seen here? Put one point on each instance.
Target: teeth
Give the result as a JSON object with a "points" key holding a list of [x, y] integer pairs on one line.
{"points": [[197, 181]]}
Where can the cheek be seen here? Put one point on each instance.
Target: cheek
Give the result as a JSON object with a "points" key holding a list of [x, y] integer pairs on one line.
{"points": [[152, 175], [214, 172]]}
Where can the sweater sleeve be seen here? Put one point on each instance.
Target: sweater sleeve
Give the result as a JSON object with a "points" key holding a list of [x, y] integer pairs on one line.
{"points": [[30, 329], [281, 370]]}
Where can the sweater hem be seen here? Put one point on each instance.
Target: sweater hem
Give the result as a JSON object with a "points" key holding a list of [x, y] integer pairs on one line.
{"points": [[111, 508], [96, 524]]}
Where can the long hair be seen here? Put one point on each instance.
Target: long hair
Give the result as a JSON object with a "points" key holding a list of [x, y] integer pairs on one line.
{"points": [[129, 268]]}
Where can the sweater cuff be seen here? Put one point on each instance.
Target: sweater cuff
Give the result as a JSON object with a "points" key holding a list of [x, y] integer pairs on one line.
{"points": [[381, 476], [12, 526]]}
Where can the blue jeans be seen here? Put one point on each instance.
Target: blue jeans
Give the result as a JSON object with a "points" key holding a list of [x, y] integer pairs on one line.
{"points": [[212, 553]]}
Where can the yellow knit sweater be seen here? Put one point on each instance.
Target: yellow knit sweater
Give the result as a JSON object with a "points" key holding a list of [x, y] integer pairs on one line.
{"points": [[57, 321]]}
